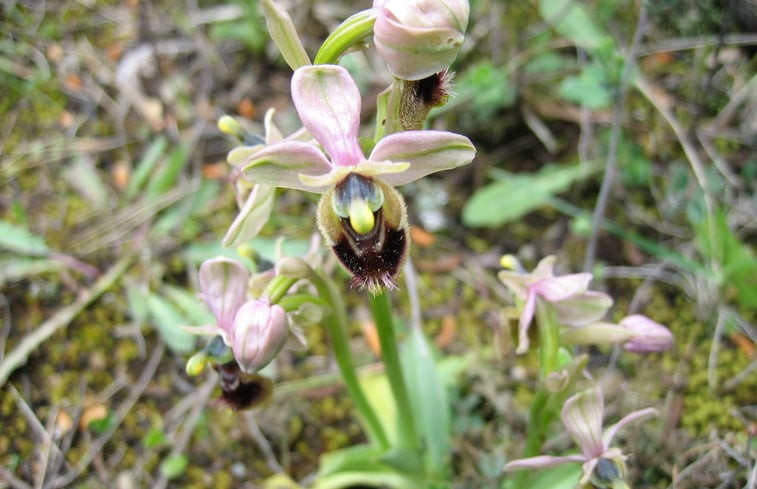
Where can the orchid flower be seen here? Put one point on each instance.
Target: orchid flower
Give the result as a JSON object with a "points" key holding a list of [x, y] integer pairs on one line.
{"points": [[568, 294], [582, 414], [254, 329], [361, 215]]}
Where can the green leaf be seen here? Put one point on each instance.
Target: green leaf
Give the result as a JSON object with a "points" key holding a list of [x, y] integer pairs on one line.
{"points": [[571, 19], [193, 308], [428, 398], [21, 240], [168, 321], [99, 426], [154, 438], [379, 394], [511, 198], [145, 167], [20, 268], [284, 34], [488, 87], [166, 176], [174, 466], [589, 88], [738, 265]]}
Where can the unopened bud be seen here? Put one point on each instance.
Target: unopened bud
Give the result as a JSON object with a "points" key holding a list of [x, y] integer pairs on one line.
{"points": [[647, 335], [293, 267], [196, 364], [259, 332], [417, 38], [229, 125]]}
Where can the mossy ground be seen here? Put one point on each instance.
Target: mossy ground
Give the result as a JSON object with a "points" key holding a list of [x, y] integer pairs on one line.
{"points": [[62, 105]]}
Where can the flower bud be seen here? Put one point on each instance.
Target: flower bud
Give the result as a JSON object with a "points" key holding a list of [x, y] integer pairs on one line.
{"points": [[258, 333], [293, 267], [648, 336], [418, 38]]}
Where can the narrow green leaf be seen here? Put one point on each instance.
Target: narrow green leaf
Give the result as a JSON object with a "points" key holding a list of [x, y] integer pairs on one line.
{"points": [[428, 397], [21, 240], [168, 321], [284, 34], [21, 268], [166, 176], [193, 308], [145, 167]]}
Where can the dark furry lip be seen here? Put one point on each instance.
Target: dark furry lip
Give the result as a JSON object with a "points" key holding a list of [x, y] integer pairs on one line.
{"points": [[375, 258]]}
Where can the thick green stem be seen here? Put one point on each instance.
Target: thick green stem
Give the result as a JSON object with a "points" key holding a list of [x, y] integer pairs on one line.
{"points": [[336, 322], [549, 338], [542, 412], [382, 314], [350, 32]]}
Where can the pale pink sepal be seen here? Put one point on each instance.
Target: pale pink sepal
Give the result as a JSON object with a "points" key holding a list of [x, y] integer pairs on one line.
{"points": [[253, 215], [223, 283], [328, 103], [582, 416], [426, 151], [583, 309], [541, 462], [281, 164]]}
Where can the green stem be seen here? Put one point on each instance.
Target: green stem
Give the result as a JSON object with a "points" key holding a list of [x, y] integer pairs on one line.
{"points": [[541, 413], [382, 314], [336, 322], [347, 34], [549, 338]]}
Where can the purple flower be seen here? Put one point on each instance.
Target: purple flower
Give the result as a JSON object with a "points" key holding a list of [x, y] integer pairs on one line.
{"points": [[568, 294], [328, 103], [361, 215], [254, 329], [582, 416], [258, 333]]}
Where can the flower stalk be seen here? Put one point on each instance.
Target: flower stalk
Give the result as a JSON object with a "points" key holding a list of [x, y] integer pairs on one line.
{"points": [[382, 315], [335, 321]]}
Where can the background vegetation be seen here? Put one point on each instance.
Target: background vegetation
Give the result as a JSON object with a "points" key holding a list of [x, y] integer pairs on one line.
{"points": [[114, 187]]}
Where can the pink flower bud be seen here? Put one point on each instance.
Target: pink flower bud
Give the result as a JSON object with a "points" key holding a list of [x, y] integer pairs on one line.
{"points": [[649, 336], [418, 38], [258, 333]]}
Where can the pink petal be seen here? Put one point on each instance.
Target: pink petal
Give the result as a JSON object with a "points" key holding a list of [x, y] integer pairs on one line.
{"points": [[280, 165], [517, 282], [224, 288], [526, 316], [561, 288], [426, 151], [583, 308], [328, 102], [540, 462], [610, 432], [582, 416]]}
